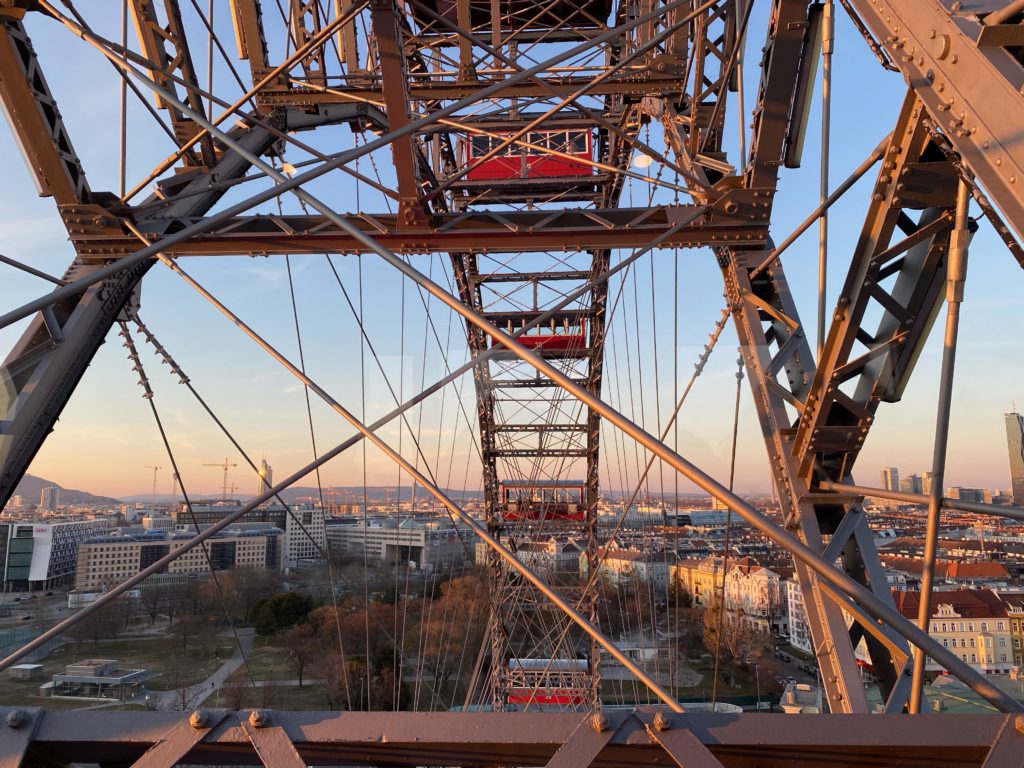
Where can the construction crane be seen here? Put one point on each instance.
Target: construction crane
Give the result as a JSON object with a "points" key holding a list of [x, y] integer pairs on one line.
{"points": [[155, 470], [225, 466]]}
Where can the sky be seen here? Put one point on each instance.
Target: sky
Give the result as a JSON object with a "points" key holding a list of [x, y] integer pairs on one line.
{"points": [[106, 440]]}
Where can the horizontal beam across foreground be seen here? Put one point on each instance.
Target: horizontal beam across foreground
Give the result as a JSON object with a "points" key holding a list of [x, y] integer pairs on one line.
{"points": [[513, 739], [479, 231]]}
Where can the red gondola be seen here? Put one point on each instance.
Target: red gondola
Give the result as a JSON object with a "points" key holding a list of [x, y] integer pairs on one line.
{"points": [[543, 683], [565, 334], [519, 162], [543, 499]]}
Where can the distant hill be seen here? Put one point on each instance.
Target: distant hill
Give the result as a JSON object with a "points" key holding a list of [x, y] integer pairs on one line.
{"points": [[30, 486]]}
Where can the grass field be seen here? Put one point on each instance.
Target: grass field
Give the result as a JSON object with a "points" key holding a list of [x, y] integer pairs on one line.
{"points": [[163, 656], [267, 662]]}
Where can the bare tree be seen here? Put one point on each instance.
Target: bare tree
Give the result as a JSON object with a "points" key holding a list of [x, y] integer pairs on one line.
{"points": [[302, 647], [153, 600], [234, 692]]}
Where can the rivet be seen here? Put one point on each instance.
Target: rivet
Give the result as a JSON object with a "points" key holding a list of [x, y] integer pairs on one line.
{"points": [[198, 719], [258, 718], [16, 718]]}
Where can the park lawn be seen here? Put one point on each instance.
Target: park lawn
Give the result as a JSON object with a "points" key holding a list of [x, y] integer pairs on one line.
{"points": [[309, 698], [160, 655], [266, 662], [164, 656]]}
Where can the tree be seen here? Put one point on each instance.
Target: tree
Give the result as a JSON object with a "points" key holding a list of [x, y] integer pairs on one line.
{"points": [[234, 693], [92, 626], [187, 627], [283, 610], [732, 636], [152, 601], [301, 645]]}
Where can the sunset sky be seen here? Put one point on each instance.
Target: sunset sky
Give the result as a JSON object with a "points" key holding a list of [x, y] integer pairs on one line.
{"points": [[106, 436]]}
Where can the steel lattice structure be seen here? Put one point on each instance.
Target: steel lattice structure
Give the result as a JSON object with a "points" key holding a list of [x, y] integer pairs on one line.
{"points": [[412, 77]]}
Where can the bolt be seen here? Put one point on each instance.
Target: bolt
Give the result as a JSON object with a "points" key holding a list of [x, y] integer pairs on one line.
{"points": [[599, 722], [661, 722], [198, 719], [17, 718], [259, 718]]}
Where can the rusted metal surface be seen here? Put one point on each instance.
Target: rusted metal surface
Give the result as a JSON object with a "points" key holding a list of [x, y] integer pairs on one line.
{"points": [[173, 747], [520, 739]]}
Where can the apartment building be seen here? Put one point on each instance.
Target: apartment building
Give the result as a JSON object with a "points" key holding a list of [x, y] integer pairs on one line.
{"points": [[972, 623]]}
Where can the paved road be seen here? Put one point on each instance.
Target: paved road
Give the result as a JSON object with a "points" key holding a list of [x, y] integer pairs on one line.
{"points": [[194, 695]]}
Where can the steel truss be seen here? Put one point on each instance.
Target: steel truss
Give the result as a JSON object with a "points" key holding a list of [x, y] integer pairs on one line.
{"points": [[644, 738], [672, 63]]}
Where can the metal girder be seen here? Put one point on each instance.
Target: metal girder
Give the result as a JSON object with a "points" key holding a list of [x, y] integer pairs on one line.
{"points": [[185, 734], [20, 725], [521, 739], [165, 45], [905, 277], [783, 54], [305, 18], [423, 89], [394, 80], [41, 372], [969, 77], [36, 121], [467, 232], [773, 345], [714, 38], [252, 44]]}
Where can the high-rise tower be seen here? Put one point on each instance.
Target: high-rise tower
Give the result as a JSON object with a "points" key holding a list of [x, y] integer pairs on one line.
{"points": [[1015, 444], [266, 480]]}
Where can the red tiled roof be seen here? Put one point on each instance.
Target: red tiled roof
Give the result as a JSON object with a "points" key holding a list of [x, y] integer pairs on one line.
{"points": [[949, 569], [969, 603]]}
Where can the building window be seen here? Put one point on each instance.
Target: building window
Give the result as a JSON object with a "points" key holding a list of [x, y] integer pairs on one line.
{"points": [[972, 642], [961, 626], [970, 626], [954, 642], [943, 626], [1002, 657], [945, 643], [999, 626], [1002, 642], [974, 657], [984, 626]]}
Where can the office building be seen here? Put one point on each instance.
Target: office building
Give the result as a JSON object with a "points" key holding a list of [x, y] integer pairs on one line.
{"points": [[106, 561], [42, 555], [890, 482], [428, 543], [266, 478], [303, 525], [912, 484], [1015, 444]]}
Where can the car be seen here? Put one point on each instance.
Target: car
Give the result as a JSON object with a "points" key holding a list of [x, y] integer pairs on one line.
{"points": [[26, 618], [17, 599], [49, 594]]}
